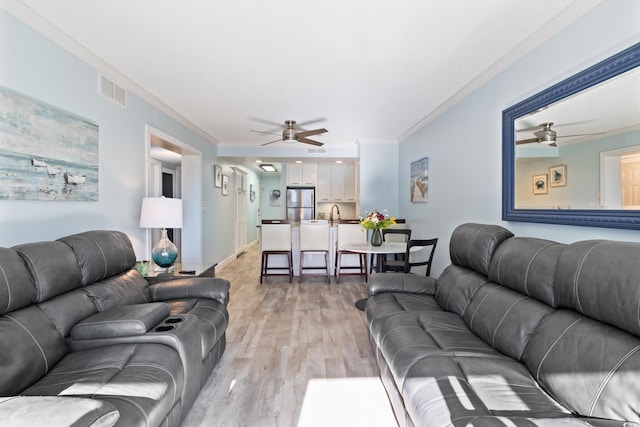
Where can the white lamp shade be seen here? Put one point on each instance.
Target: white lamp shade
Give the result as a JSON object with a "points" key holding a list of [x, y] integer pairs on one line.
{"points": [[161, 212]]}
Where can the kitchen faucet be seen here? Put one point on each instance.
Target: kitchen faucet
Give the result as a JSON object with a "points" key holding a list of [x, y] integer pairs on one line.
{"points": [[331, 213]]}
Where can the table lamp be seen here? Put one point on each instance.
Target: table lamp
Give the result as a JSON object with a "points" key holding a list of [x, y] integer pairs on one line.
{"points": [[162, 212]]}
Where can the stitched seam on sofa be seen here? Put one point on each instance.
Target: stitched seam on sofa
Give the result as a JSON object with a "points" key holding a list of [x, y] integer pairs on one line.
{"points": [[44, 356], [34, 273], [104, 257], [553, 345], [464, 309], [607, 378], [577, 276], [400, 350], [207, 320], [144, 297], [493, 338], [488, 381], [117, 294], [526, 273], [131, 401], [8, 399], [383, 337], [472, 239], [162, 368], [81, 371], [499, 262], [473, 316], [6, 281]]}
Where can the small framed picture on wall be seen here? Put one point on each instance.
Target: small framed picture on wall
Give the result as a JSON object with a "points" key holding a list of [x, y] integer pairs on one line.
{"points": [[225, 185], [558, 176], [217, 176], [540, 184]]}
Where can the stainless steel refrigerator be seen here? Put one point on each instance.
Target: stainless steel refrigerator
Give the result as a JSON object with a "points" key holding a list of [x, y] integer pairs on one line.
{"points": [[301, 203]]}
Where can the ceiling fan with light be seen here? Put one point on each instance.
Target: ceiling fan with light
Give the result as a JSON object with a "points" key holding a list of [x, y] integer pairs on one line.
{"points": [[545, 135], [293, 133]]}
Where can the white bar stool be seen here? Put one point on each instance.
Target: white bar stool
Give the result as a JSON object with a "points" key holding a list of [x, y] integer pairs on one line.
{"points": [[349, 232], [275, 239], [314, 238]]}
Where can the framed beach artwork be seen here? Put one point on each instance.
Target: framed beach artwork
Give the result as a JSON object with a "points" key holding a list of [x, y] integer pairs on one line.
{"points": [[419, 180], [217, 176], [46, 153]]}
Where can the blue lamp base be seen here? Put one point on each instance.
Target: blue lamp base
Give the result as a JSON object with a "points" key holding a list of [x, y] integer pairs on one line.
{"points": [[164, 254]]}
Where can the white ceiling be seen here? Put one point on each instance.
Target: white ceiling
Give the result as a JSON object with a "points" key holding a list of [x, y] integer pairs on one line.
{"points": [[373, 70]]}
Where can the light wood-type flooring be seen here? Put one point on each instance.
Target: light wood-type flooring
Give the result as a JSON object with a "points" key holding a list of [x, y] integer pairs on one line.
{"points": [[297, 354]]}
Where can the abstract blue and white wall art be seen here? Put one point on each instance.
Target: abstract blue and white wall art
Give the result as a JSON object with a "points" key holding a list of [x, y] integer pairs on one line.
{"points": [[45, 153]]}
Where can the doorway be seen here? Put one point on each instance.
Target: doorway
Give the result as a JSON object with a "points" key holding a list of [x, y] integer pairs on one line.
{"points": [[175, 168], [620, 178], [240, 207]]}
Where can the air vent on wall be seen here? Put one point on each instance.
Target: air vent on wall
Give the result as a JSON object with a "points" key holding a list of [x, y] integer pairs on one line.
{"points": [[316, 150], [111, 90]]}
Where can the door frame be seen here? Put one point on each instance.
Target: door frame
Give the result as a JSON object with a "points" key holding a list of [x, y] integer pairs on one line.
{"points": [[189, 189]]}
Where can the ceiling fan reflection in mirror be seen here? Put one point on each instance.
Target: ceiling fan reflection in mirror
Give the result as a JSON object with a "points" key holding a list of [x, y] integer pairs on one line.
{"points": [[292, 133], [545, 135]]}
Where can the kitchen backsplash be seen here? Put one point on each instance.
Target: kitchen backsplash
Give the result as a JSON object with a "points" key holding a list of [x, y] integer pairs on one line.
{"points": [[347, 210]]}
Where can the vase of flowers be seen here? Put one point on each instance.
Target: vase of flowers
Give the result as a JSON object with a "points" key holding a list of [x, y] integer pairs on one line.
{"points": [[376, 221]]}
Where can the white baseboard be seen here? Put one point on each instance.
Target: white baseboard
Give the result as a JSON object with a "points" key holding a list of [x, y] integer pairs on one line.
{"points": [[233, 257]]}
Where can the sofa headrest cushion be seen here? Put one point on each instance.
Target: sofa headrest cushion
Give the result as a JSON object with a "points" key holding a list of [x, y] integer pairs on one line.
{"points": [[101, 253], [16, 284], [527, 265], [53, 267], [599, 278], [473, 245]]}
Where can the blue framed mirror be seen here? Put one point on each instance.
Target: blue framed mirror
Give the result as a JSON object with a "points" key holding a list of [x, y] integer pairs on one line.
{"points": [[570, 151]]}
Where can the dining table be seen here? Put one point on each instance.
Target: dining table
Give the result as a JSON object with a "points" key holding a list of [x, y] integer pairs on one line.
{"points": [[380, 251]]}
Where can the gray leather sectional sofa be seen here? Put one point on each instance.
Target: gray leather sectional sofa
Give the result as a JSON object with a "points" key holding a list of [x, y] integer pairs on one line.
{"points": [[85, 340], [515, 332]]}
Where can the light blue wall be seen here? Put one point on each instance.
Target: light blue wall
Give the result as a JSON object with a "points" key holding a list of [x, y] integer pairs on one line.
{"points": [[379, 178], [464, 144], [271, 182], [35, 66]]}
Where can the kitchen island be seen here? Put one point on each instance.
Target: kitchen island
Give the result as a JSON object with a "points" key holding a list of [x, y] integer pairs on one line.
{"points": [[311, 259]]}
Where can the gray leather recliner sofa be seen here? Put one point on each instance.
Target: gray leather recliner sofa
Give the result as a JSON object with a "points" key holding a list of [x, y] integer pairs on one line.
{"points": [[86, 340], [515, 332]]}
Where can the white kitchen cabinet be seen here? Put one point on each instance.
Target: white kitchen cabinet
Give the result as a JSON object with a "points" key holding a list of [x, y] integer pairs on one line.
{"points": [[310, 174], [294, 173], [349, 182], [302, 174], [323, 189], [336, 183]]}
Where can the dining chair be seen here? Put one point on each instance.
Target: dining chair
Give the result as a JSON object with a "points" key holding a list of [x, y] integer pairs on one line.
{"points": [[350, 231], [275, 239], [314, 238], [401, 235], [414, 257], [393, 237]]}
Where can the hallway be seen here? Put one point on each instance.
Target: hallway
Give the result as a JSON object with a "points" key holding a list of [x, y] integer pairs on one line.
{"points": [[297, 355]]}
